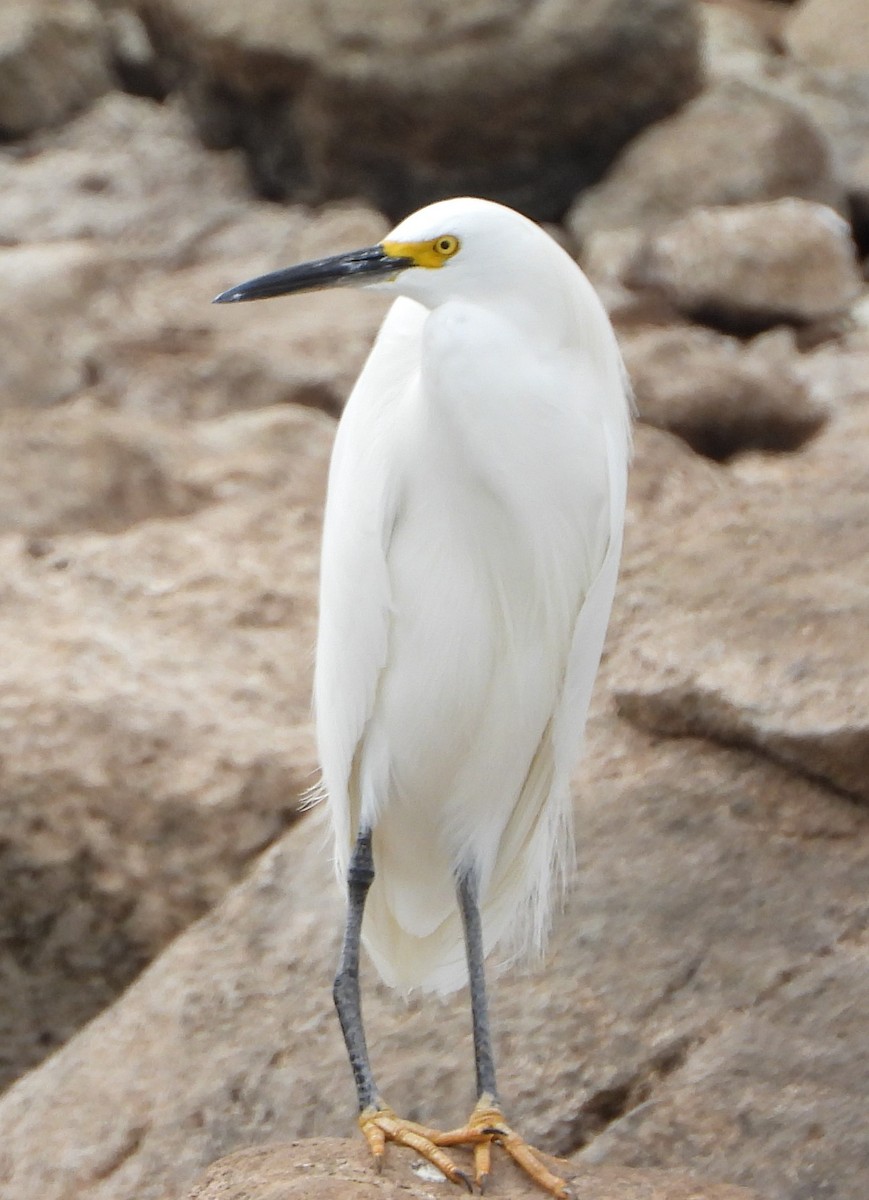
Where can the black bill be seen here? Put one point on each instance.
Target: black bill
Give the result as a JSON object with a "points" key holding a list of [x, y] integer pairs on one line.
{"points": [[341, 270]]}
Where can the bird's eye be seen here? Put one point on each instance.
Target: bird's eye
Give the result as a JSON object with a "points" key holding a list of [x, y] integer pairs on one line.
{"points": [[446, 246]]}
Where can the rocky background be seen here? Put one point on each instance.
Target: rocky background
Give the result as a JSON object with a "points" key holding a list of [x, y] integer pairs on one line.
{"points": [[703, 1007]]}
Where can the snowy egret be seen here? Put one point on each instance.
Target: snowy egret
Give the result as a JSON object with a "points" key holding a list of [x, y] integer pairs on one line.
{"points": [[471, 543]]}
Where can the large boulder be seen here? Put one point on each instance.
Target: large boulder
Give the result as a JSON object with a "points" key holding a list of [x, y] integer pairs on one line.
{"points": [[781, 667], [751, 266], [154, 687], [694, 159], [526, 104], [229, 1039], [721, 396]]}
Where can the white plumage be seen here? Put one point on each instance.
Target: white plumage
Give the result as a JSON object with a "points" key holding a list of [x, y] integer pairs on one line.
{"points": [[472, 536]]}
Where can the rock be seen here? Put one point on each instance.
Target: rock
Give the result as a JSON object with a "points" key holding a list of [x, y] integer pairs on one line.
{"points": [[49, 282], [154, 689], [721, 397], [757, 1092], [752, 266], [693, 160], [446, 100], [779, 668], [838, 103], [128, 173], [167, 350], [122, 232], [54, 59], [830, 33], [733, 45], [332, 1167], [229, 1040]]}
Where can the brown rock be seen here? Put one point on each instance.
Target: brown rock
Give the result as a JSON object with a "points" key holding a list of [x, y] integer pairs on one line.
{"points": [[122, 231], [229, 1039], [128, 173], [838, 103], [752, 266], [332, 1167], [54, 59], [719, 395], [804, 1033], [693, 159], [156, 734], [49, 283], [442, 99], [733, 44], [830, 33], [781, 665]]}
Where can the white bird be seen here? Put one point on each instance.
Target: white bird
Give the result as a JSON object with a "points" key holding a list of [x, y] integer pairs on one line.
{"points": [[472, 536]]}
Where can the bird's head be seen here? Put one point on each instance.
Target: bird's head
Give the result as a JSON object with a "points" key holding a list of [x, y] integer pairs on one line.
{"points": [[461, 247]]}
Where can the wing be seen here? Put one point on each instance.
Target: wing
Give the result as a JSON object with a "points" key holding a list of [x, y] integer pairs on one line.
{"points": [[354, 582]]}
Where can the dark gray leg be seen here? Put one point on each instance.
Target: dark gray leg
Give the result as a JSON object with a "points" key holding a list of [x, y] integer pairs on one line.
{"points": [[360, 875], [484, 1060]]}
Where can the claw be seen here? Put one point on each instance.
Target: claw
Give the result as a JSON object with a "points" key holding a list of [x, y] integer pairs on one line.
{"points": [[485, 1128]]}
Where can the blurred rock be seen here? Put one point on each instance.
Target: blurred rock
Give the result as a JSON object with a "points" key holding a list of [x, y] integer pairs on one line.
{"points": [[697, 159], [54, 59], [721, 397], [830, 33], [229, 1039], [129, 173], [443, 99], [838, 103], [321, 1168], [733, 45], [154, 690], [44, 285], [752, 266], [121, 233]]}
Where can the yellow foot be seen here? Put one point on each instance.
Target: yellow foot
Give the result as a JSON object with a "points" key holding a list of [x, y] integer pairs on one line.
{"points": [[487, 1125], [381, 1125]]}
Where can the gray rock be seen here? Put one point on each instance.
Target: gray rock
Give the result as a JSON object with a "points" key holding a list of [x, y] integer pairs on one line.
{"points": [[694, 160], [523, 103], [749, 267]]}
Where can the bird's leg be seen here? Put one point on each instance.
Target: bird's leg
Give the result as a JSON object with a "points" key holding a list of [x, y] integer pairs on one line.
{"points": [[486, 1124], [345, 990], [378, 1122]]}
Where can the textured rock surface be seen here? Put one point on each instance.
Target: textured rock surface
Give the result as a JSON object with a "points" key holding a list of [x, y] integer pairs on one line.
{"points": [[753, 266], [229, 1038], [330, 1167], [780, 667], [703, 1004], [443, 99], [693, 160], [154, 690], [830, 33], [717, 394], [121, 233], [54, 59]]}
